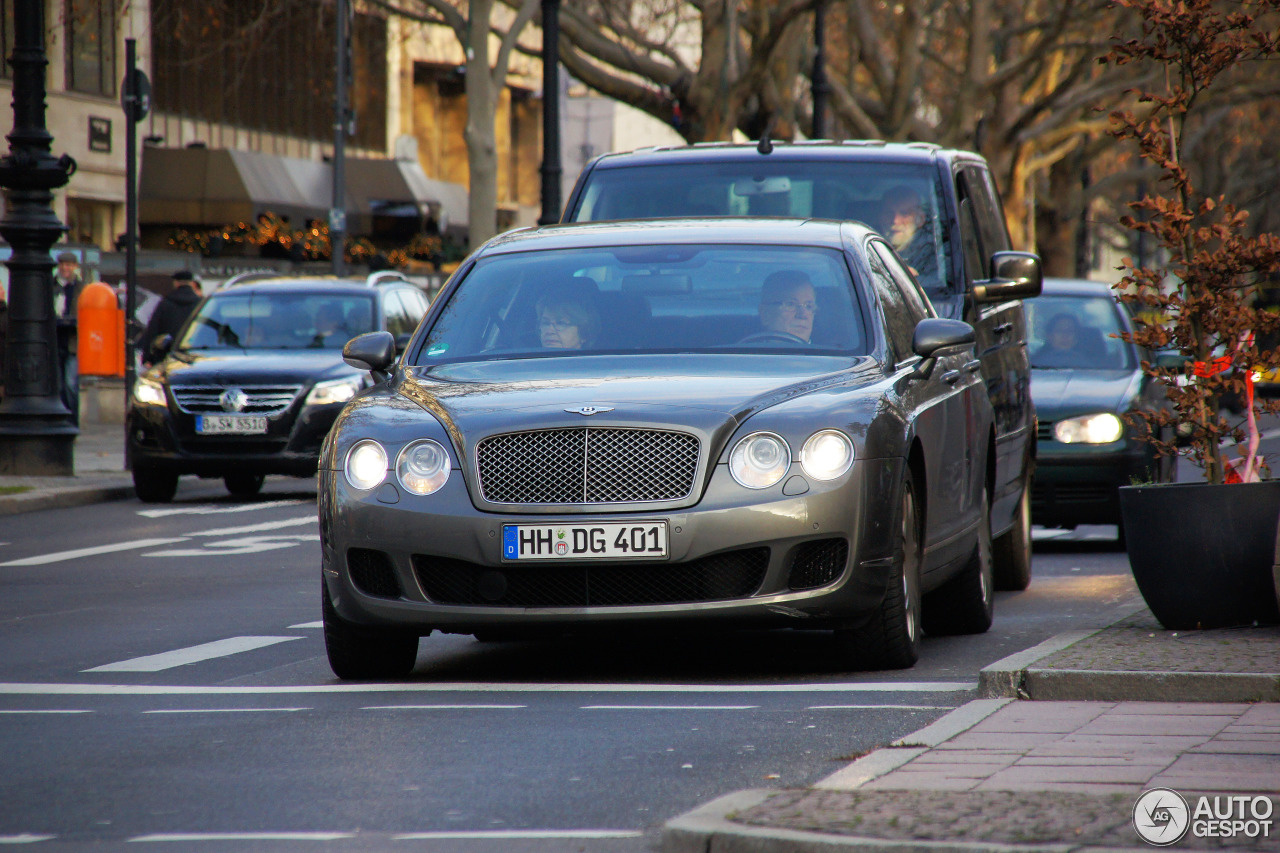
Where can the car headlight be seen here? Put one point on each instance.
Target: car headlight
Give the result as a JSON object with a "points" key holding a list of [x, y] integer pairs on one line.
{"points": [[334, 391], [826, 455], [148, 392], [366, 465], [760, 460], [423, 467], [1089, 429]]}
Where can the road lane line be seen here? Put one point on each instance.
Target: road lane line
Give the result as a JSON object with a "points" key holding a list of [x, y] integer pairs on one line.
{"points": [[222, 710], [25, 838], [46, 711], [212, 509], [302, 625], [880, 707], [180, 837], [258, 528], [45, 559], [669, 707], [192, 654], [66, 689], [523, 834], [443, 707]]}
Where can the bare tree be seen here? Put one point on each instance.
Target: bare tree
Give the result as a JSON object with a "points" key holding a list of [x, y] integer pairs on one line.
{"points": [[473, 24]]}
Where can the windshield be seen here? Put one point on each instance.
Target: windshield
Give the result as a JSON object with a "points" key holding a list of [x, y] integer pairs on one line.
{"points": [[686, 298], [900, 201], [262, 320], [1076, 332]]}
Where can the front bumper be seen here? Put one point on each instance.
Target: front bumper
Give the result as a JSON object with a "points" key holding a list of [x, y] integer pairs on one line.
{"points": [[1079, 484], [395, 559], [163, 440]]}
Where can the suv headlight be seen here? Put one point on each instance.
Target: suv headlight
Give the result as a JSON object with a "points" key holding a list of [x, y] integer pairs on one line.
{"points": [[366, 465], [1089, 429], [760, 460], [423, 467], [826, 455], [148, 392], [334, 391]]}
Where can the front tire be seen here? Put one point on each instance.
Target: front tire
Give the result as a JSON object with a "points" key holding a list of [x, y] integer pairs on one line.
{"points": [[966, 603], [359, 653], [154, 485], [890, 638], [1011, 553]]}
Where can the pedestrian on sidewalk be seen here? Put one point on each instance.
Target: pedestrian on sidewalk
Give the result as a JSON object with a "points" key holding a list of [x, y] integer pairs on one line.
{"points": [[169, 315], [67, 285]]}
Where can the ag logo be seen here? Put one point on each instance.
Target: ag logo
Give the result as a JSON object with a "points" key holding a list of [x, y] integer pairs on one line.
{"points": [[1161, 817]]}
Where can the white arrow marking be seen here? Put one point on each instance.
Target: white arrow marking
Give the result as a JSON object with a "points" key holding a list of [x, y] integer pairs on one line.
{"points": [[45, 559], [193, 654], [211, 509]]}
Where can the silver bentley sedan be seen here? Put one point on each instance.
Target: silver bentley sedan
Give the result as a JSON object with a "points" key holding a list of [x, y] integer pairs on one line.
{"points": [[748, 422]]}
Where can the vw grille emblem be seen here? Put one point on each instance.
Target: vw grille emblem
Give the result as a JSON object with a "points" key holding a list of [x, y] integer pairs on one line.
{"points": [[590, 410], [233, 400]]}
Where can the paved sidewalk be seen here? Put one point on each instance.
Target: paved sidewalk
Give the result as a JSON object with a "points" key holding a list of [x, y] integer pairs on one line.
{"points": [[100, 475], [1004, 774]]}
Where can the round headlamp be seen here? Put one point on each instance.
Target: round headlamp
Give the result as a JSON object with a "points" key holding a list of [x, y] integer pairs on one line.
{"points": [[423, 467], [826, 455], [1090, 429], [366, 465], [760, 460]]}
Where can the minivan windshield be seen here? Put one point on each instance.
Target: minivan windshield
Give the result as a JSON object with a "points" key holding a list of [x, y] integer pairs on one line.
{"points": [[651, 299], [259, 319], [902, 201]]}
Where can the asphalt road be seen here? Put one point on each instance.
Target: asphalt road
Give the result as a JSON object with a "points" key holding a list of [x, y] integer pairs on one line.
{"points": [[162, 677]]}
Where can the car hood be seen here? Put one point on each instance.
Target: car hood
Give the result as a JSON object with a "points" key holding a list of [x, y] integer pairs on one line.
{"points": [[253, 367], [704, 392], [1066, 393]]}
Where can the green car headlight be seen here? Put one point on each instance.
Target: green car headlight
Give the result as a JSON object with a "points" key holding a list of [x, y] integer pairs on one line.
{"points": [[1089, 429]]}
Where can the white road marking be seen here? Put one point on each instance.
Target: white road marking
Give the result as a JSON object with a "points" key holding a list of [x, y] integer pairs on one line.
{"points": [[25, 838], [222, 710], [669, 707], [259, 528], [46, 711], [113, 548], [301, 625], [179, 837], [242, 545], [443, 707], [64, 689], [192, 654], [212, 509], [879, 707], [519, 833]]}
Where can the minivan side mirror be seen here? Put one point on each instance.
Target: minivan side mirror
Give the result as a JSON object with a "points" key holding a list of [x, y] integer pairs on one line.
{"points": [[372, 351], [1014, 275]]}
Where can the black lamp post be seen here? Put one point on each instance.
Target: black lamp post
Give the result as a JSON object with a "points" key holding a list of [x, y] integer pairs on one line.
{"points": [[37, 430], [821, 88], [551, 169]]}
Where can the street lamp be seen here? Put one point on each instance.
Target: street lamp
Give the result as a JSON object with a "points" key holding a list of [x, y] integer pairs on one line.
{"points": [[550, 112], [37, 430], [821, 88]]}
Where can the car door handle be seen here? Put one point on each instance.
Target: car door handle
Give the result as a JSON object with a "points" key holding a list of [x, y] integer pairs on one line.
{"points": [[1004, 328], [951, 377], [972, 366]]}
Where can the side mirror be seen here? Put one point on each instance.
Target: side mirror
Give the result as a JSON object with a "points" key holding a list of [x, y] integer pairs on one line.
{"points": [[1014, 275], [373, 351], [935, 334]]}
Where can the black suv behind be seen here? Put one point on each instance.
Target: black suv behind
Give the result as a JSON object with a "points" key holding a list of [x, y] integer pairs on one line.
{"points": [[255, 378], [965, 265]]}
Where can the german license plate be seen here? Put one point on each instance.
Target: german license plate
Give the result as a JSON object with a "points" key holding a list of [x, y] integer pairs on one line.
{"points": [[231, 424], [609, 541]]}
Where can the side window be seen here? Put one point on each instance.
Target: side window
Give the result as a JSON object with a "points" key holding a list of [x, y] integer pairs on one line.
{"points": [[899, 325], [917, 302], [991, 224], [975, 262], [397, 317], [415, 305]]}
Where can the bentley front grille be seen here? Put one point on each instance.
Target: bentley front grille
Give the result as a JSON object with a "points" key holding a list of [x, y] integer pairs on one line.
{"points": [[259, 399], [587, 465]]}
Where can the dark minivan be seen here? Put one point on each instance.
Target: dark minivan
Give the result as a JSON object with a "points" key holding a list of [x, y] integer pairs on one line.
{"points": [[961, 256]]}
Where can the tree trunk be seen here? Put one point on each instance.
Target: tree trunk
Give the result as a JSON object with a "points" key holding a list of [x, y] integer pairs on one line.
{"points": [[482, 146]]}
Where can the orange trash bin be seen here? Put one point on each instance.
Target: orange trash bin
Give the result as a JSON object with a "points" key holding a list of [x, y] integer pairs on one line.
{"points": [[99, 331]]}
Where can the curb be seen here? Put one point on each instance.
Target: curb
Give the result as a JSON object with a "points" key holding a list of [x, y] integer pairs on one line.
{"points": [[39, 499]]}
